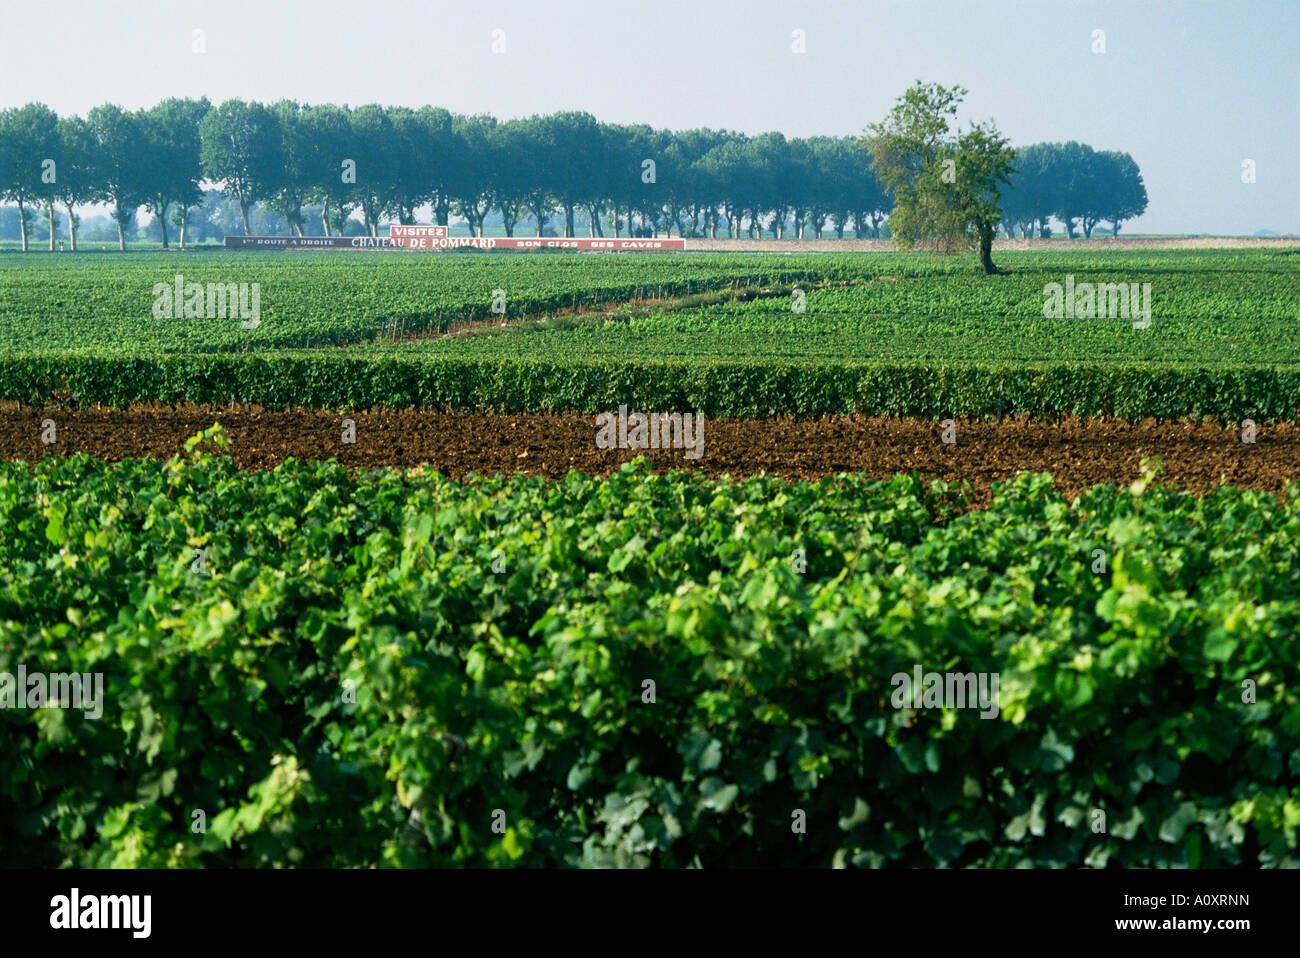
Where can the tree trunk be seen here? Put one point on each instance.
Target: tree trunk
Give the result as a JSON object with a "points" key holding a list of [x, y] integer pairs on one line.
{"points": [[162, 222], [243, 211], [72, 228], [22, 223], [325, 215], [986, 250], [49, 212], [185, 218], [121, 238]]}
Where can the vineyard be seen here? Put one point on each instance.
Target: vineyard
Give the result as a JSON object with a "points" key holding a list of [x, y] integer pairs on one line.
{"points": [[632, 680], [105, 304], [403, 592], [884, 334], [1207, 310]]}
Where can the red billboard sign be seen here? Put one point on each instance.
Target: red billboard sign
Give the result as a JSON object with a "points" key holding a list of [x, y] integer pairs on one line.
{"points": [[314, 242], [436, 238], [402, 236], [416, 232]]}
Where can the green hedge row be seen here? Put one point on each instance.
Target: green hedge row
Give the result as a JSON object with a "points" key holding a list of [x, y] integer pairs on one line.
{"points": [[718, 389], [408, 671]]}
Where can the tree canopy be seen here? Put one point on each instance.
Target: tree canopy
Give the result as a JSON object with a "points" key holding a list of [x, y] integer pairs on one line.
{"points": [[945, 185], [387, 163]]}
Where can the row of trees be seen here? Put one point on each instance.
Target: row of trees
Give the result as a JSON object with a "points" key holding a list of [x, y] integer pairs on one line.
{"points": [[1074, 183], [388, 162], [125, 160]]}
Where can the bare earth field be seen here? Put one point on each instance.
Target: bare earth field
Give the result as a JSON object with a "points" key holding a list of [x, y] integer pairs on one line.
{"points": [[1196, 457]]}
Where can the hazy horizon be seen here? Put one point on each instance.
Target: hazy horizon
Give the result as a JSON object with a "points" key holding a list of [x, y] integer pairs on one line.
{"points": [[1191, 90]]}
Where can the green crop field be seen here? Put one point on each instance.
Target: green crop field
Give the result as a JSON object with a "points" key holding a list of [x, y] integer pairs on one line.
{"points": [[102, 304], [499, 636], [889, 333], [1207, 306], [365, 667], [1206, 309]]}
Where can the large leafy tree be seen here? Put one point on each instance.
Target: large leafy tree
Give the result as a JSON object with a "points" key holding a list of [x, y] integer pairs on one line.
{"points": [[945, 185], [798, 187], [701, 196], [544, 154], [1076, 187], [870, 200], [28, 137], [1028, 201], [413, 149], [574, 145], [827, 187], [76, 171], [242, 149], [626, 148], [471, 186], [169, 156], [290, 184], [120, 170], [1126, 193], [725, 168], [509, 145], [444, 161], [329, 141], [768, 186], [660, 200], [376, 186]]}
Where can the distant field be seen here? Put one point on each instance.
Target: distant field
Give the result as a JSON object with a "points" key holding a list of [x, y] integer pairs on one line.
{"points": [[102, 303], [1215, 309], [891, 333]]}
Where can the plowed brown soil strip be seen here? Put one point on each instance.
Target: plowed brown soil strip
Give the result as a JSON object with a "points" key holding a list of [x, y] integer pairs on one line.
{"points": [[1078, 454]]}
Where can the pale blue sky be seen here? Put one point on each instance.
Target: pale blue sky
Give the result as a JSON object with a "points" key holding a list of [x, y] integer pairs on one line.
{"points": [[1190, 88]]}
